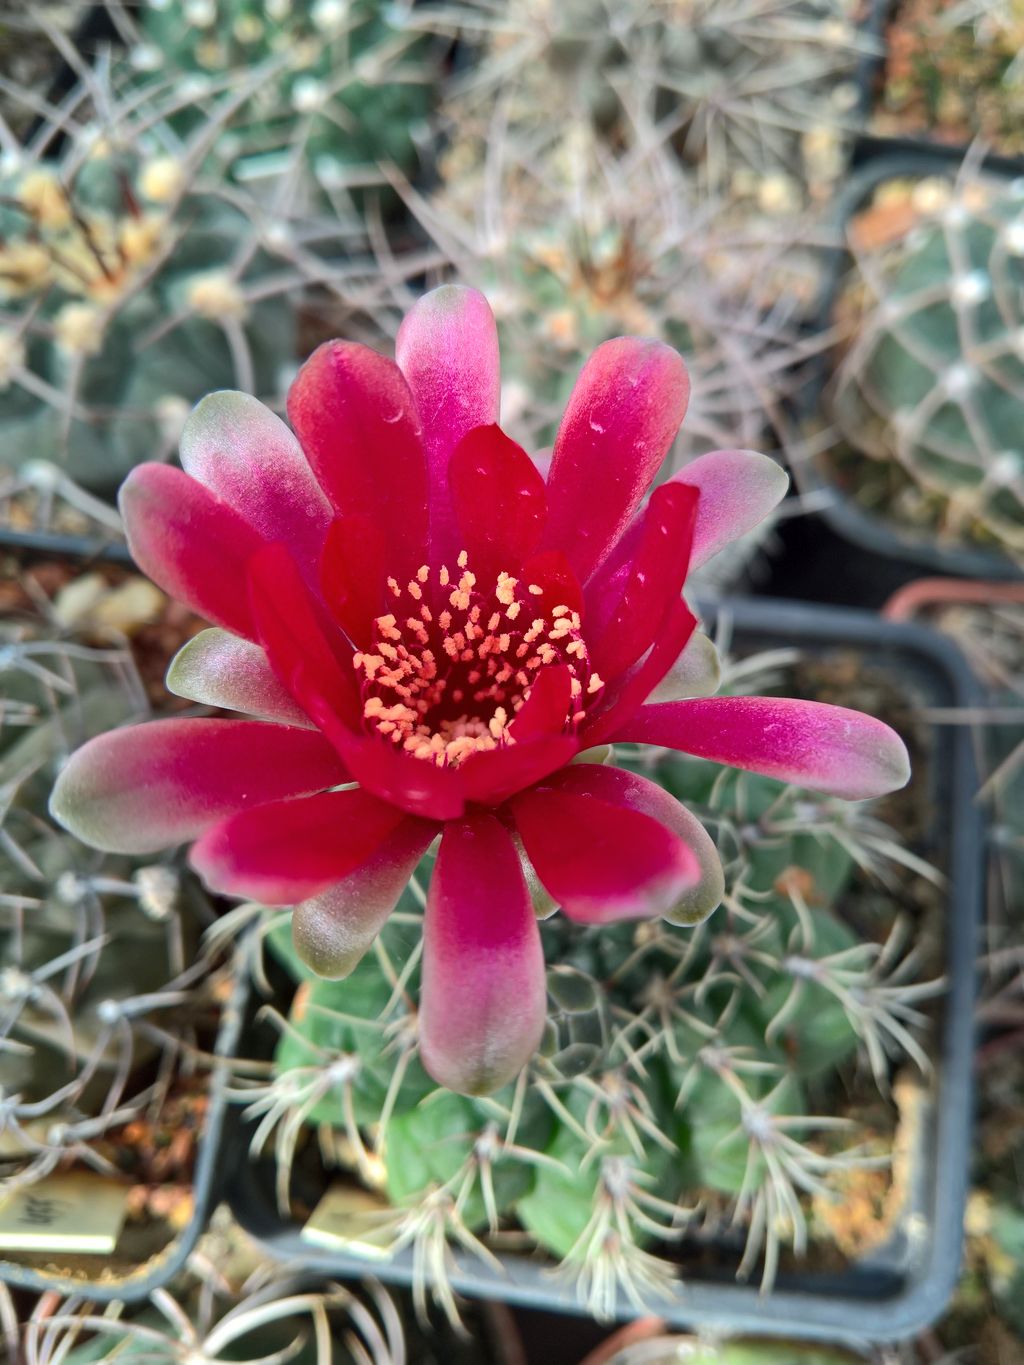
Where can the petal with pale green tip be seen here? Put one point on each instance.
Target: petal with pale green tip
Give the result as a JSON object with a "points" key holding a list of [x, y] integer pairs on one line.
{"points": [[332, 931], [738, 489], [216, 668], [618, 787], [483, 998], [234, 445], [830, 749], [154, 785], [696, 673]]}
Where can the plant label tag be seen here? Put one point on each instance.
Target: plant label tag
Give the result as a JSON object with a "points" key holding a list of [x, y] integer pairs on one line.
{"points": [[347, 1217], [77, 1212]]}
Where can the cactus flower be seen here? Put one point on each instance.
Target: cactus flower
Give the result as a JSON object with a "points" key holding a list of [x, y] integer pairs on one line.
{"points": [[425, 635]]}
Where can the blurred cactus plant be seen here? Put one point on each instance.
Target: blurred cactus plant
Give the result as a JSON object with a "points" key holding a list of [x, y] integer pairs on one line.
{"points": [[934, 378], [758, 104], [347, 82], [269, 1317], [96, 950], [678, 1065], [133, 279]]}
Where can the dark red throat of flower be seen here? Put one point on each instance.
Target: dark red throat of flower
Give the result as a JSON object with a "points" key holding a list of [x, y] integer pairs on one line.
{"points": [[454, 663]]}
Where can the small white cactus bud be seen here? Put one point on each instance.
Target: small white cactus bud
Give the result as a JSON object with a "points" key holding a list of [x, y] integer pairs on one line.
{"points": [[201, 13], [329, 16], [959, 379], [308, 94], [971, 288], [146, 57], [1013, 237], [78, 329], [217, 296], [1007, 468], [277, 9], [171, 411], [248, 28], [12, 358], [162, 179], [158, 891]]}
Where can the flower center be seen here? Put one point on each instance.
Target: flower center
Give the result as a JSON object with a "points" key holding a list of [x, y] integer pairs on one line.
{"points": [[447, 681]]}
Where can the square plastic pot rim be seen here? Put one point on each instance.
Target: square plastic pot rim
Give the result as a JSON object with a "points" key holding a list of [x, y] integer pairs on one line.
{"points": [[907, 160], [207, 1180], [824, 1315]]}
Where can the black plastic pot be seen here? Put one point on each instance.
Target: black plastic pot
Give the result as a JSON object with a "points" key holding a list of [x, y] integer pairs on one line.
{"points": [[904, 1285], [871, 533], [208, 1181], [46, 545]]}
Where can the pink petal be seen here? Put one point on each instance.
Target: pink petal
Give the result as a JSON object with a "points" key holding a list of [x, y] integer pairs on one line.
{"points": [[289, 850], [357, 421], [190, 542], [153, 785], [447, 348], [828, 748], [697, 672], [483, 999], [245, 454], [308, 655], [622, 418], [333, 930], [651, 582], [625, 699], [738, 489], [499, 501], [215, 668], [630, 791], [601, 862]]}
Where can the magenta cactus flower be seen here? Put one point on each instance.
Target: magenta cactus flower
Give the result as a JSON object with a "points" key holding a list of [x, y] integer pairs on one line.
{"points": [[427, 634]]}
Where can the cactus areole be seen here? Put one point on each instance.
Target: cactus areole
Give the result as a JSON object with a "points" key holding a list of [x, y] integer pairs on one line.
{"points": [[425, 636]]}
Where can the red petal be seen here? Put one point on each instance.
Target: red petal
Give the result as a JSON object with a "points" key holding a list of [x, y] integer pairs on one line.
{"points": [[499, 500], [190, 542], [447, 348], [315, 668], [357, 421], [633, 792], [246, 455], [494, 776], [828, 748], [150, 786], [353, 572], [601, 862], [635, 687], [549, 570], [286, 851], [622, 418], [333, 930], [651, 582], [546, 710], [483, 997]]}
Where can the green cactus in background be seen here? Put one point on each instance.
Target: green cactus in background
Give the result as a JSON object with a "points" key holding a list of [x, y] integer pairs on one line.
{"points": [[934, 378], [133, 280], [347, 83], [96, 948], [678, 1062], [759, 109]]}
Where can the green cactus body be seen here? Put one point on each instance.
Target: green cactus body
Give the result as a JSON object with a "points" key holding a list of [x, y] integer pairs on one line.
{"points": [[935, 377], [676, 1061], [344, 80], [136, 311]]}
